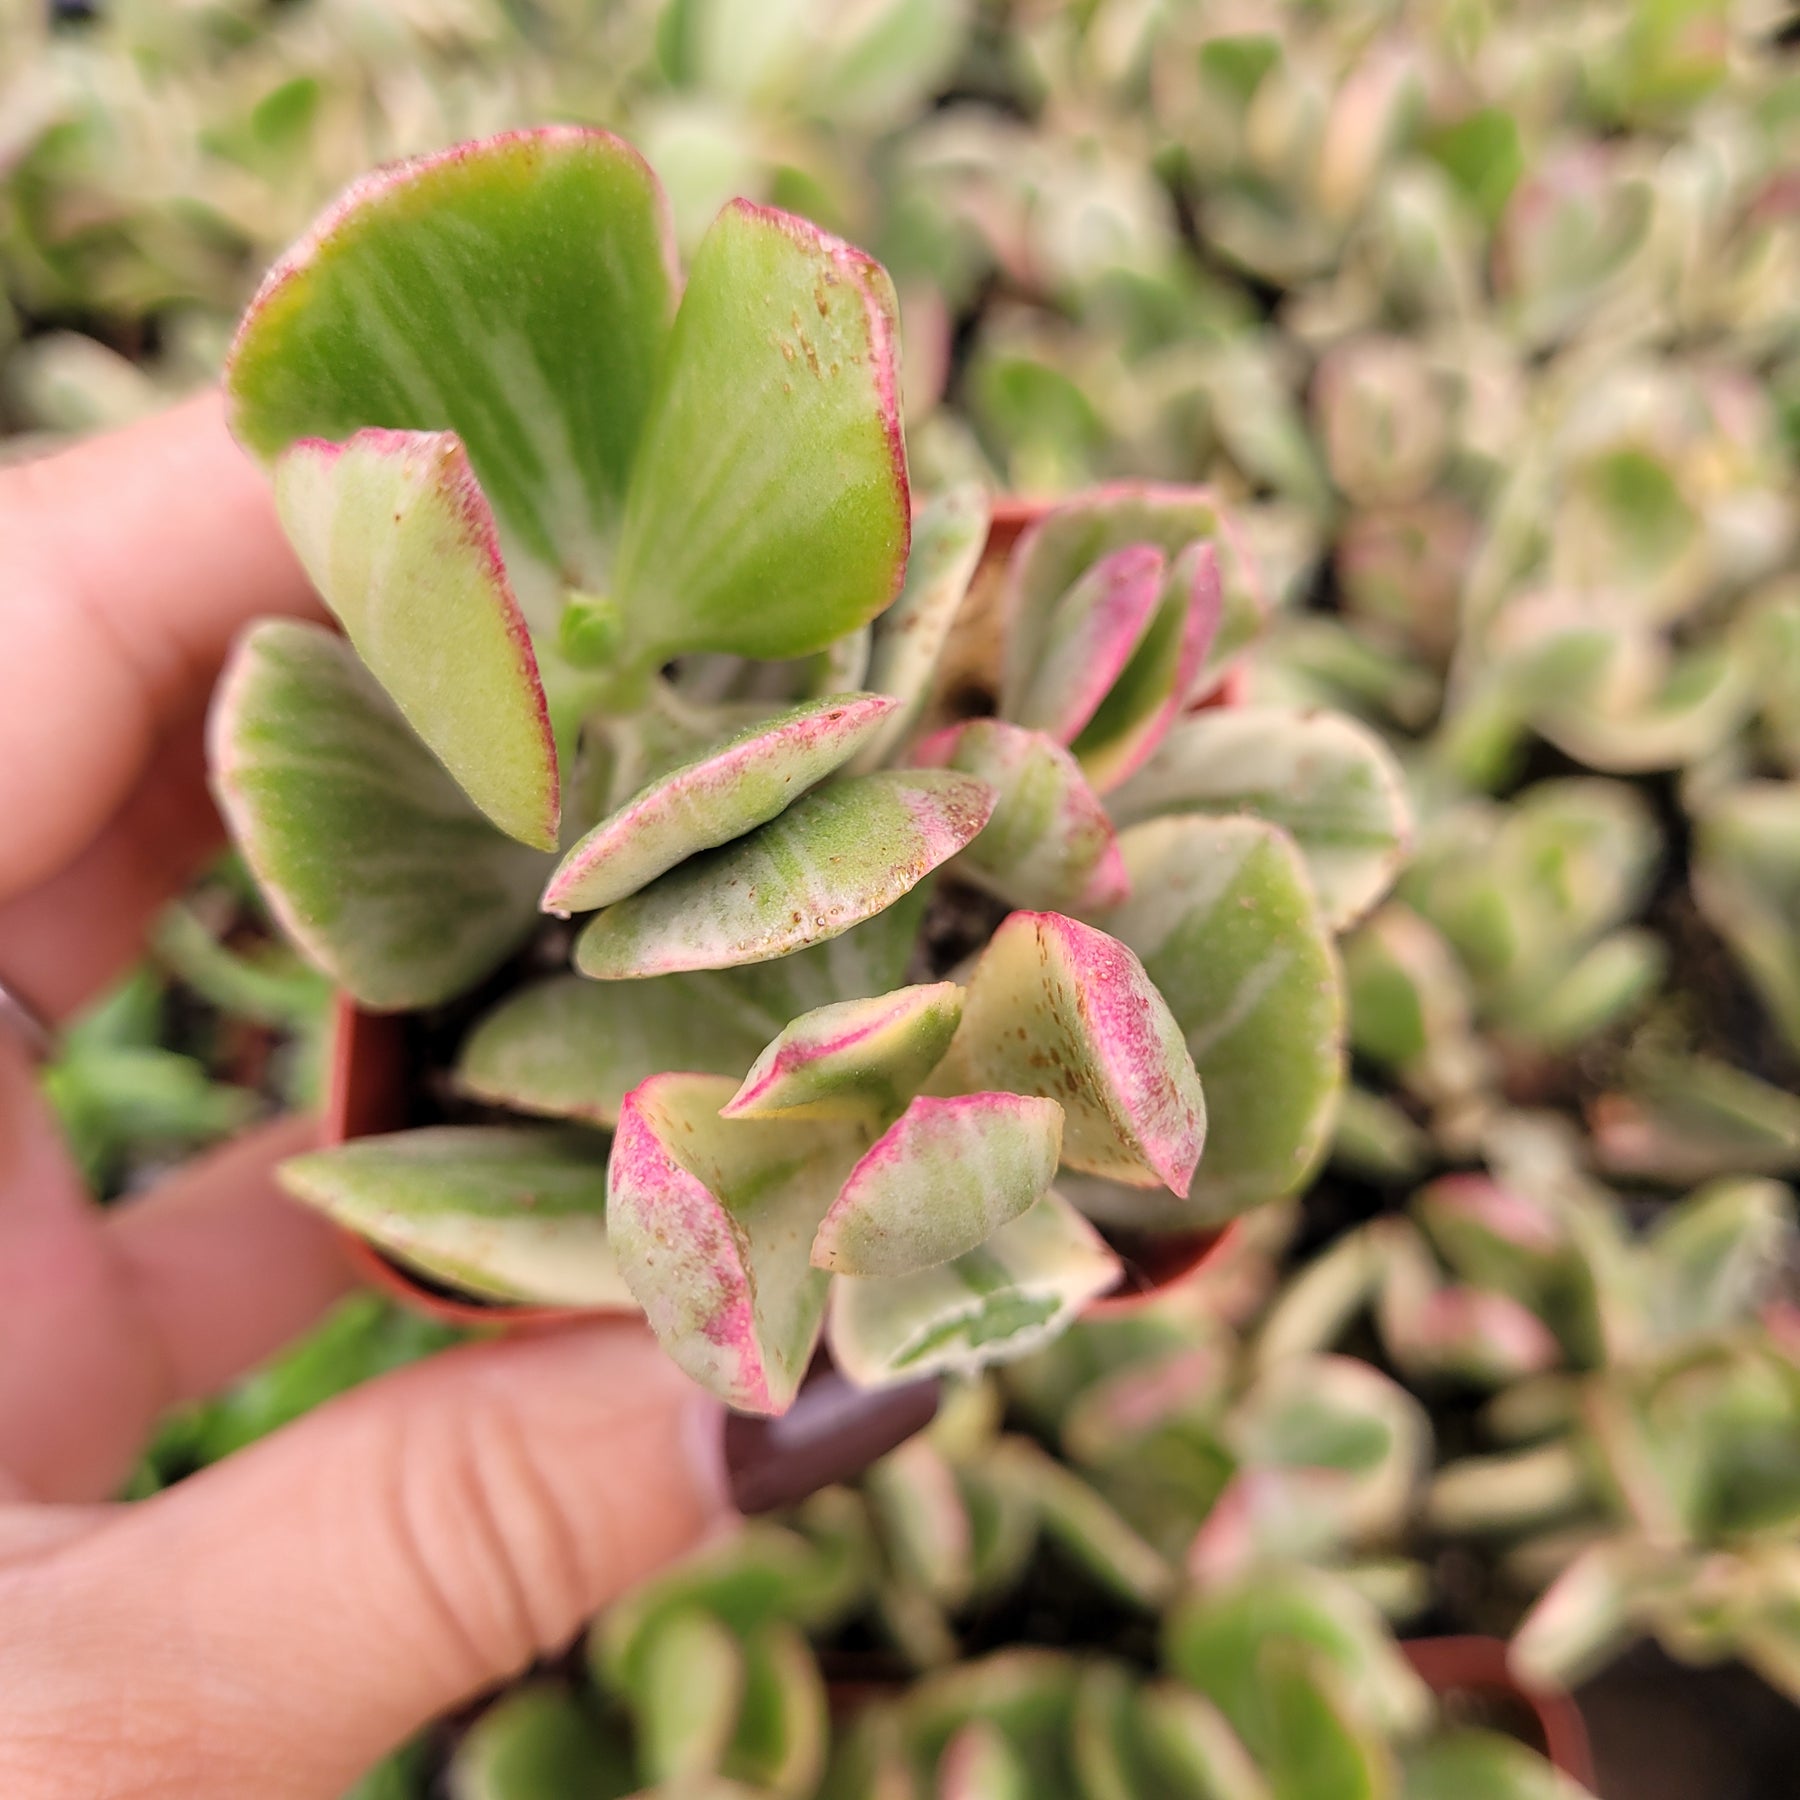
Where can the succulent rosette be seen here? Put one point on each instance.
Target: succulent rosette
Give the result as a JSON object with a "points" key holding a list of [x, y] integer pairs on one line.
{"points": [[631, 636]]}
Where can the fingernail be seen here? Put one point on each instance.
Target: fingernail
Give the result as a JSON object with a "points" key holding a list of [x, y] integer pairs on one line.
{"points": [[832, 1432], [703, 1437]]}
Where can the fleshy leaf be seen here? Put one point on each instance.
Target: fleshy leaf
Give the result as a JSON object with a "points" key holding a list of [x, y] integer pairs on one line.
{"points": [[1483, 1765], [574, 1049], [1326, 780], [768, 511], [1058, 1009], [858, 1059], [397, 536], [1069, 540], [941, 1180], [837, 856], [1023, 1287], [1747, 880], [1154, 686], [1049, 843], [742, 783], [537, 1742], [460, 292], [948, 536], [372, 858], [1088, 639], [505, 1212], [712, 1220], [1224, 917]]}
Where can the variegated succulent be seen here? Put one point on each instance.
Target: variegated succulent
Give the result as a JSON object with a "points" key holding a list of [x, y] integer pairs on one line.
{"points": [[1286, 1685], [630, 630], [1643, 1390]]}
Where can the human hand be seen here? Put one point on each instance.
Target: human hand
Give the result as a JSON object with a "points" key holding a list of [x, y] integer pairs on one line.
{"points": [[273, 1625]]}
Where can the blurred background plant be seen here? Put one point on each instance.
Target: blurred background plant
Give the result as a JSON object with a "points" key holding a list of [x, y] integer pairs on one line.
{"points": [[1485, 318]]}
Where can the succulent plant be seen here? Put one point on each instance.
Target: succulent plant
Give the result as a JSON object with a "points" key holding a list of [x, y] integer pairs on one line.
{"points": [[631, 631]]}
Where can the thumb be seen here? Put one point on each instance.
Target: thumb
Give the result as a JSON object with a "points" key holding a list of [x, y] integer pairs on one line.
{"points": [[277, 1623]]}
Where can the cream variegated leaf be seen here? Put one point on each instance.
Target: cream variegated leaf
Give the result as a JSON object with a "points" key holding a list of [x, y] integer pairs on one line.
{"points": [[1057, 1009], [712, 1221], [940, 1181], [838, 856], [503, 1212], [1023, 1287]]}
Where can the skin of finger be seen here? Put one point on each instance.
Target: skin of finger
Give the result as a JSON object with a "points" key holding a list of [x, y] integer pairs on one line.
{"points": [[66, 940], [277, 1623], [127, 565], [111, 1317]]}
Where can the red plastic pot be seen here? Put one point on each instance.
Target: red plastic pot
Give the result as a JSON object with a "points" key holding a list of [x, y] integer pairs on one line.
{"points": [[368, 1087], [1478, 1667]]}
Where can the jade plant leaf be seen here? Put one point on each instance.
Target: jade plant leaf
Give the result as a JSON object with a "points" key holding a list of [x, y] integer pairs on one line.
{"points": [[460, 292], [768, 512], [948, 536], [1020, 1289], [1049, 842], [1057, 551], [729, 791], [1326, 780], [688, 1696], [1155, 686], [1057, 1009], [836, 857], [1747, 881], [507, 1212], [571, 1048], [941, 1180], [1224, 917], [1482, 1765], [712, 1221], [784, 1727], [397, 536], [1193, 1750], [1088, 638], [538, 1742], [373, 859], [979, 1764], [858, 1059]]}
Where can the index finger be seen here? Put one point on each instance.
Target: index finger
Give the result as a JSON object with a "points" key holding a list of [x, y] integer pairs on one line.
{"points": [[127, 566]]}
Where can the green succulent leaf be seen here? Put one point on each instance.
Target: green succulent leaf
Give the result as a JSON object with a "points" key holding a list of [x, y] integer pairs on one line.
{"points": [[570, 1048], [1193, 1751], [768, 511], [504, 1212], [1049, 843], [729, 791], [1158, 681], [1482, 1765], [537, 1742], [783, 1727], [1218, 1640], [1088, 639], [1022, 1288], [712, 1221], [1329, 782], [1085, 1526], [688, 1695], [941, 1180], [373, 859], [1225, 920], [836, 857], [1057, 1009], [397, 536], [979, 1764], [1747, 880], [949, 534], [858, 1059], [1068, 541], [460, 292]]}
